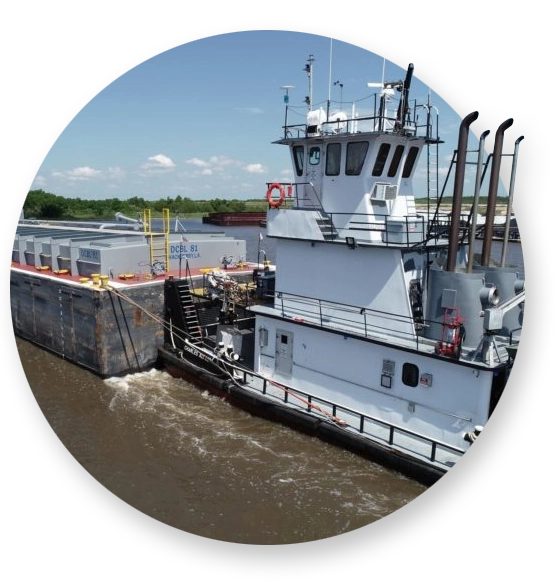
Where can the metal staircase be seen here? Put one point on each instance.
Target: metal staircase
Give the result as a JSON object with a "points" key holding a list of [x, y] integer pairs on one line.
{"points": [[327, 227], [189, 313]]}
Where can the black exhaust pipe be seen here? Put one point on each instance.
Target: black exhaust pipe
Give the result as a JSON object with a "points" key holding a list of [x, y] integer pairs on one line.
{"points": [[493, 192], [458, 190]]}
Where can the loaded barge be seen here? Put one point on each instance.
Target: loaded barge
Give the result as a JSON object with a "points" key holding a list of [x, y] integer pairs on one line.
{"points": [[93, 293], [235, 218]]}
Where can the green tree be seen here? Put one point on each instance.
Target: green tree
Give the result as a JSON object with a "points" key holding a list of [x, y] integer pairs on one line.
{"points": [[53, 209]]}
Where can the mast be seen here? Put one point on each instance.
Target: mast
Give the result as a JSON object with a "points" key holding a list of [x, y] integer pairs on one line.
{"points": [[403, 108], [309, 70]]}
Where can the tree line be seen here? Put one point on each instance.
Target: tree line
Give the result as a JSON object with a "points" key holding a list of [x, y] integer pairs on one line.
{"points": [[43, 205]]}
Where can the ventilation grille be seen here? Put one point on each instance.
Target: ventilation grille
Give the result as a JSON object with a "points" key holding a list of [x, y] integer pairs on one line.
{"points": [[388, 367], [384, 192]]}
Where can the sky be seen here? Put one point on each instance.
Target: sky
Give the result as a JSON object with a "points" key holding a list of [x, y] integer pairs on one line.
{"points": [[198, 120]]}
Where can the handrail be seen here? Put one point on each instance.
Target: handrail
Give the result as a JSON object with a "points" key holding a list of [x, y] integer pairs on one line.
{"points": [[350, 123], [298, 308], [362, 420], [435, 229]]}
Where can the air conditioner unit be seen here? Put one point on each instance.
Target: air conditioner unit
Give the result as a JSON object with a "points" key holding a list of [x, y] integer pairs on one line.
{"points": [[383, 192]]}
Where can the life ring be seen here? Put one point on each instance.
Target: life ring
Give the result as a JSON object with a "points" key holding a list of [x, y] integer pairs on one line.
{"points": [[273, 202]]}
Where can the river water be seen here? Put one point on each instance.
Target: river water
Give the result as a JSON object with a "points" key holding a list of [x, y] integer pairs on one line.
{"points": [[194, 462]]}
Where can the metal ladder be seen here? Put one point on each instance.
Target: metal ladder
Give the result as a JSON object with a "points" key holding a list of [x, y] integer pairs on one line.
{"points": [[189, 312], [159, 242], [432, 151]]}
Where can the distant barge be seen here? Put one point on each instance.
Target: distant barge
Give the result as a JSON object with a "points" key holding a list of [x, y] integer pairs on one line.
{"points": [[235, 218]]}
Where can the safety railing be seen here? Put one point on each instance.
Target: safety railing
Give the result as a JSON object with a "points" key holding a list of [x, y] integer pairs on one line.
{"points": [[400, 231], [365, 425], [369, 323]]}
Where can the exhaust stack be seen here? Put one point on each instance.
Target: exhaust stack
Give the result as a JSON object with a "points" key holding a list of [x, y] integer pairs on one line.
{"points": [[458, 189], [474, 209], [493, 192]]}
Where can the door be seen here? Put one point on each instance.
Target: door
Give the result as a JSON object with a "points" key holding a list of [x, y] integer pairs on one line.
{"points": [[313, 187], [284, 353]]}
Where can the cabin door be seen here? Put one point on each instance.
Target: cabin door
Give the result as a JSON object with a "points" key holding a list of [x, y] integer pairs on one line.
{"points": [[313, 187], [284, 353]]}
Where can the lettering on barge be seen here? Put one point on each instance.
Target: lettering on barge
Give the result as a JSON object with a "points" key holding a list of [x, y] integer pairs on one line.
{"points": [[89, 254], [185, 251]]}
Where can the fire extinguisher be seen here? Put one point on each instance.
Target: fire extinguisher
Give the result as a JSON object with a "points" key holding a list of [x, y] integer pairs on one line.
{"points": [[453, 334]]}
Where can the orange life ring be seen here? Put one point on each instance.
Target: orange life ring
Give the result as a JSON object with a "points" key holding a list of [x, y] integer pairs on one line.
{"points": [[273, 202]]}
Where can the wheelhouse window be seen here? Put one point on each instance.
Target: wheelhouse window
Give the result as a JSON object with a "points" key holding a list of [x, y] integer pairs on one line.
{"points": [[410, 374], [355, 157], [333, 156], [381, 158], [410, 161], [298, 159], [314, 156], [395, 163]]}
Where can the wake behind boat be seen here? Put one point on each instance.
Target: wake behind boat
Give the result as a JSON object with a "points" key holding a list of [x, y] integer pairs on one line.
{"points": [[380, 328]]}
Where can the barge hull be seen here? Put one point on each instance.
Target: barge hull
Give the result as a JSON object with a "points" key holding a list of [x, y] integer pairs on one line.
{"points": [[89, 327]]}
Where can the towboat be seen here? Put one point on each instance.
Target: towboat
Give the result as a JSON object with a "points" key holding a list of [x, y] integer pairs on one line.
{"points": [[380, 328]]}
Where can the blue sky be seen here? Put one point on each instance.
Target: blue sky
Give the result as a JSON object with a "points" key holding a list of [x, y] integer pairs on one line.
{"points": [[198, 120]]}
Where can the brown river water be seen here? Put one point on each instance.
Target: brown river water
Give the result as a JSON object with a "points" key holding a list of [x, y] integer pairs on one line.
{"points": [[199, 465]]}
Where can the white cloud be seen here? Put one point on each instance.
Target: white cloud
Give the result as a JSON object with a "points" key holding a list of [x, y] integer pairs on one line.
{"points": [[78, 174], [159, 162], [198, 162], [251, 110], [39, 181], [116, 173], [254, 168], [221, 161], [214, 164]]}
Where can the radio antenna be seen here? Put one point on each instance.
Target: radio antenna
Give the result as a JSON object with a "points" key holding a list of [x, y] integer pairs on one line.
{"points": [[309, 70], [330, 73]]}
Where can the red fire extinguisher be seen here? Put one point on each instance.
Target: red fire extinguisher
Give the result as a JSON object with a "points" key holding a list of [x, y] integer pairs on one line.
{"points": [[453, 334]]}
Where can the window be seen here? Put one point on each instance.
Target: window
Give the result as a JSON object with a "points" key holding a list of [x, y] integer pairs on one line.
{"points": [[355, 157], [333, 155], [395, 163], [410, 374], [298, 159], [314, 155], [410, 161], [383, 151]]}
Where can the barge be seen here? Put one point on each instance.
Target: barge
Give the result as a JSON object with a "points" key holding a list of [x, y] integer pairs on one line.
{"points": [[93, 293], [235, 218]]}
